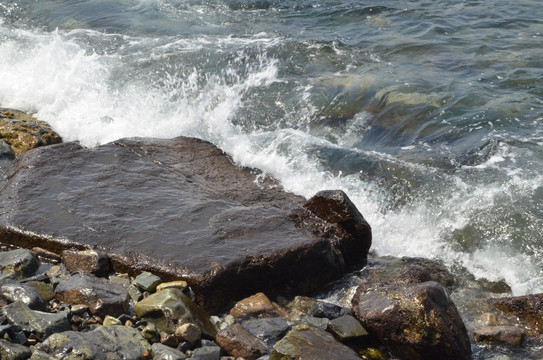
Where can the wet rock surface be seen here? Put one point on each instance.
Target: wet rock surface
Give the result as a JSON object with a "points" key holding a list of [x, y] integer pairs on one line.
{"points": [[40, 324], [500, 334], [204, 220], [414, 322], [238, 342]]}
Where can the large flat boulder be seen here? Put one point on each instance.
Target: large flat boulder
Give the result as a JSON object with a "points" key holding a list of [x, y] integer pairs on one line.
{"points": [[181, 209]]}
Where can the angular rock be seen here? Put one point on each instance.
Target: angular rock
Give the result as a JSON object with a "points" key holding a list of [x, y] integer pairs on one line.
{"points": [[106, 342], [171, 308], [102, 297], [39, 323], [256, 305], [19, 262], [346, 328], [269, 330], [528, 309], [308, 343], [91, 261], [511, 335], [239, 342], [45, 290], [11, 351], [12, 291], [180, 209], [6, 152], [414, 322], [206, 353], [335, 207], [23, 132], [188, 332], [318, 322], [163, 352], [147, 281]]}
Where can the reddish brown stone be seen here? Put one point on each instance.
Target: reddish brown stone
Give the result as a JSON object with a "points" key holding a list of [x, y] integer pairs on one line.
{"points": [[255, 305], [500, 334], [239, 342]]}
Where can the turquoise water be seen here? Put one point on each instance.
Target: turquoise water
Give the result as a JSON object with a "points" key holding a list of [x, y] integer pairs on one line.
{"points": [[429, 114]]}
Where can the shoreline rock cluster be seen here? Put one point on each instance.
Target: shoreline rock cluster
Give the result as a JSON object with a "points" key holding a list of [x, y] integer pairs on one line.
{"points": [[114, 297]]}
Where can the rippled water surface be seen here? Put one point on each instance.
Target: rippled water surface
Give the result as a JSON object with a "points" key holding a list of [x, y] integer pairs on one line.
{"points": [[428, 113]]}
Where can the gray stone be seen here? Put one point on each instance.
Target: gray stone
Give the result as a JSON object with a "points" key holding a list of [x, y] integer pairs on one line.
{"points": [[6, 152], [168, 309], [206, 353], [91, 261], [204, 220], [163, 352], [19, 262], [269, 330], [303, 305], [101, 296], [105, 342], [347, 328], [10, 351], [309, 343], [239, 342], [318, 322], [39, 323], [147, 281], [12, 291], [416, 322]]}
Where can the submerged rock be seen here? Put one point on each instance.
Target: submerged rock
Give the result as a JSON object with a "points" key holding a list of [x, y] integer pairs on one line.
{"points": [[308, 343], [106, 342], [180, 209], [414, 322]]}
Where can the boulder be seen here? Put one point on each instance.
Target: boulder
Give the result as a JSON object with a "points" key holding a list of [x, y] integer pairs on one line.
{"points": [[180, 208], [414, 322], [308, 343], [527, 309], [23, 132], [238, 342], [101, 296], [105, 342], [171, 308], [511, 335], [19, 262], [41, 324], [91, 261]]}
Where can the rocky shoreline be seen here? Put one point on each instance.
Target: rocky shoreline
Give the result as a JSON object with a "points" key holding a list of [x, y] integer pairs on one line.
{"points": [[67, 291]]}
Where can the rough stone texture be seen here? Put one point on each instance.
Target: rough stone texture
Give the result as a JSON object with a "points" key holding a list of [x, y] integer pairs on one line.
{"points": [[39, 323], [188, 332], [11, 351], [305, 306], [45, 290], [206, 353], [13, 291], [147, 281], [528, 309], [178, 208], [91, 261], [19, 262], [256, 305], [170, 308], [414, 322], [101, 296], [269, 330], [23, 132], [105, 343], [163, 352], [346, 328], [308, 343], [500, 334], [239, 342], [180, 284], [406, 270]]}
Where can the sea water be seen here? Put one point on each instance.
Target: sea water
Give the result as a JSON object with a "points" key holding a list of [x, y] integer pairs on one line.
{"points": [[429, 114]]}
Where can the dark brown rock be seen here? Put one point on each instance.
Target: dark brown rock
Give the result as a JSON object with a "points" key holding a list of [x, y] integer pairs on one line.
{"points": [[308, 343], [101, 296], [414, 322], [239, 342], [180, 209], [527, 309], [91, 261], [511, 335]]}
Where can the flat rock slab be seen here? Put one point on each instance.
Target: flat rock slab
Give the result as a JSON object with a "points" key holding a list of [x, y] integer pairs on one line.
{"points": [[181, 209]]}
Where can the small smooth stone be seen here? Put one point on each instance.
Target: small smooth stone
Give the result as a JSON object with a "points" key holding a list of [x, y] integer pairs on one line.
{"points": [[253, 306], [163, 352], [347, 327], [147, 281], [110, 320], [180, 284], [207, 353], [188, 332]]}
